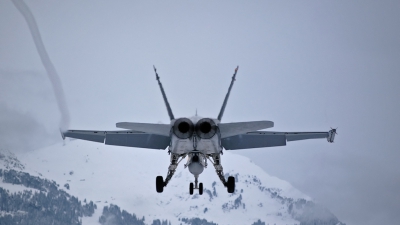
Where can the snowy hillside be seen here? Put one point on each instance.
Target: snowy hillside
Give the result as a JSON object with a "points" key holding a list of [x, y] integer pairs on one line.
{"points": [[126, 177]]}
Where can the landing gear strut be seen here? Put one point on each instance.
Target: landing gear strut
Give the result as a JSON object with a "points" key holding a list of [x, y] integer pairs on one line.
{"points": [[230, 184], [160, 183]]}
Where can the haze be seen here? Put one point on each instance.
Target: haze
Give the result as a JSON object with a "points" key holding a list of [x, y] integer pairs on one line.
{"points": [[307, 66]]}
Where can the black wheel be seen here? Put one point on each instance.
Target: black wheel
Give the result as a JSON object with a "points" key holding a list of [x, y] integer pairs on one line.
{"points": [[191, 188], [160, 184], [200, 188], [231, 184]]}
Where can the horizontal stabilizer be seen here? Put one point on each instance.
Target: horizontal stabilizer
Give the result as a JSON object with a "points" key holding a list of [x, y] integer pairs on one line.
{"points": [[232, 129], [151, 128]]}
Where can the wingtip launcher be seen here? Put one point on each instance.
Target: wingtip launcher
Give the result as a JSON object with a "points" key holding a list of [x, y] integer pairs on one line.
{"points": [[331, 135]]}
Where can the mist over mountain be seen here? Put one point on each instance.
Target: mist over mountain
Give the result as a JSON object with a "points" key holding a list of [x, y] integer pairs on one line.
{"points": [[112, 185], [28, 111]]}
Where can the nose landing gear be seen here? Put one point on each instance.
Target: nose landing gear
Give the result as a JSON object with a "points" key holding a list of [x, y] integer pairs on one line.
{"points": [[200, 188], [195, 186]]}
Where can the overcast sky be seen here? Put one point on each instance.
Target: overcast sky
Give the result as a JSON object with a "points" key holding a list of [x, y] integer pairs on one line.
{"points": [[306, 65]]}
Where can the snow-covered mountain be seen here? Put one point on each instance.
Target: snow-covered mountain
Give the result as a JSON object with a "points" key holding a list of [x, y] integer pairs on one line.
{"points": [[125, 177]]}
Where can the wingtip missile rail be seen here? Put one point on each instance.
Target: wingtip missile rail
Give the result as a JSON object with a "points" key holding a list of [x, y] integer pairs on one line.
{"points": [[331, 135]]}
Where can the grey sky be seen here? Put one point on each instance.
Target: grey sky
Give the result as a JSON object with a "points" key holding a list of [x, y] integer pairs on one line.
{"points": [[306, 66]]}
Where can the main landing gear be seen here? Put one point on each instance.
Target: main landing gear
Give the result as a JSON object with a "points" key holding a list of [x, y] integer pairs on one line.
{"points": [[230, 184], [214, 158], [175, 160], [160, 184]]}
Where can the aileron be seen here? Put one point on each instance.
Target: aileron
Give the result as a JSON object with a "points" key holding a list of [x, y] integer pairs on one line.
{"points": [[296, 136], [96, 136]]}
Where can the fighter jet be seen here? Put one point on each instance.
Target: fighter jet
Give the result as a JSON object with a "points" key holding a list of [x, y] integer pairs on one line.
{"points": [[200, 140]]}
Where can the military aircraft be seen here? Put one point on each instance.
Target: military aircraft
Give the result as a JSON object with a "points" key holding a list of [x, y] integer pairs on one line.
{"points": [[201, 140]]}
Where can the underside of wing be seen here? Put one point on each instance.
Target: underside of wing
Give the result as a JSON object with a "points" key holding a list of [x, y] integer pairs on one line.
{"points": [[262, 139], [121, 138], [256, 140]]}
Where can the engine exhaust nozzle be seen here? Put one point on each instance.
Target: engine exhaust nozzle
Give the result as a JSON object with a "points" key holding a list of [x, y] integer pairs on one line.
{"points": [[183, 128]]}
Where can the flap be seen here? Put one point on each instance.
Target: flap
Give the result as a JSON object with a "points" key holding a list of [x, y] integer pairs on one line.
{"points": [[245, 141]]}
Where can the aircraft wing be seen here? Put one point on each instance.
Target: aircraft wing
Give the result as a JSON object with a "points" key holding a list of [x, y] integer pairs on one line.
{"points": [[260, 139], [127, 138]]}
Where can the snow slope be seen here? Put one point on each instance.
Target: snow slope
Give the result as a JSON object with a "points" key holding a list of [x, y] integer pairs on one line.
{"points": [[126, 177]]}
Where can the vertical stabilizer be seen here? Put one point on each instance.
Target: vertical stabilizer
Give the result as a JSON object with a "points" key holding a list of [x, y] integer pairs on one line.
{"points": [[171, 115], [221, 113]]}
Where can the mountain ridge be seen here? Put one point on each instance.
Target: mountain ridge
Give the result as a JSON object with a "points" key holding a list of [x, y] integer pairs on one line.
{"points": [[125, 177]]}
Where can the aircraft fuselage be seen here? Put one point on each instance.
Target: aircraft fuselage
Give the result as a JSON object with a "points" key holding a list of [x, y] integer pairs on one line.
{"points": [[197, 138]]}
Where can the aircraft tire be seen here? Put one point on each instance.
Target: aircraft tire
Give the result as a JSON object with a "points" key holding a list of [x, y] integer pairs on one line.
{"points": [[191, 188], [200, 188], [231, 184], [159, 184]]}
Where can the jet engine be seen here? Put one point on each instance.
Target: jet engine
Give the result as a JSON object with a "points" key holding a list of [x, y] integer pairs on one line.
{"points": [[183, 128], [206, 128]]}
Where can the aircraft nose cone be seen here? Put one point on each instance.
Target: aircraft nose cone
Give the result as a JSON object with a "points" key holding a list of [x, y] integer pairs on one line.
{"points": [[195, 168]]}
